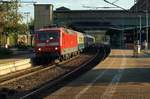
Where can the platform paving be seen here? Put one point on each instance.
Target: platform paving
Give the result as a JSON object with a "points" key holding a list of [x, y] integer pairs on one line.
{"points": [[120, 76], [17, 56], [18, 61]]}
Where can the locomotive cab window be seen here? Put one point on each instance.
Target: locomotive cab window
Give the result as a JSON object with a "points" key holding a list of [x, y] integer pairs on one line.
{"points": [[47, 35]]}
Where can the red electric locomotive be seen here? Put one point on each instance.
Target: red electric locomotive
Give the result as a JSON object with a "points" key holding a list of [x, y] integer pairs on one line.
{"points": [[56, 42]]}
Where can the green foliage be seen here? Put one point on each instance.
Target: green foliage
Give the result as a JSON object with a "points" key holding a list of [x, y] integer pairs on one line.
{"points": [[11, 22], [22, 28], [13, 39], [9, 15]]}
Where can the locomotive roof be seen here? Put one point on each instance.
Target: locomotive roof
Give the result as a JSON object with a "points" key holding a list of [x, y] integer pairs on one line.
{"points": [[45, 29], [69, 31]]}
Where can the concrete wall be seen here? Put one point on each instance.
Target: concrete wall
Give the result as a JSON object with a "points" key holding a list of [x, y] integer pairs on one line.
{"points": [[43, 15]]}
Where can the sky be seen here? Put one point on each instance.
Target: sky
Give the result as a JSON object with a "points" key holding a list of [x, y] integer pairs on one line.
{"points": [[75, 4]]}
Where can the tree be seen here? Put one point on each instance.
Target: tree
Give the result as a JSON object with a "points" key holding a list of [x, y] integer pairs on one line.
{"points": [[9, 14], [9, 17], [22, 28]]}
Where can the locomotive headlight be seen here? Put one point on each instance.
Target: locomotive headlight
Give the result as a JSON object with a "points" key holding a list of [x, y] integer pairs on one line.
{"points": [[39, 49], [56, 48]]}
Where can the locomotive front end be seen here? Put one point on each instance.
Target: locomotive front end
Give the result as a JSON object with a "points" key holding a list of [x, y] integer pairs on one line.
{"points": [[47, 43]]}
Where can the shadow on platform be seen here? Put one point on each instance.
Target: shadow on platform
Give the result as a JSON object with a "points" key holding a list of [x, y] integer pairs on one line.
{"points": [[129, 56], [131, 75]]}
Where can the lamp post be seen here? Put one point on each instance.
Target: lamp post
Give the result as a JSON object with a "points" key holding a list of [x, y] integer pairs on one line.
{"points": [[140, 24], [147, 24], [27, 22], [27, 14]]}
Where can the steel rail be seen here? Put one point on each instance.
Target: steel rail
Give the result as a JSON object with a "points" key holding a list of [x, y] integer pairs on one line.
{"points": [[57, 80], [33, 73], [10, 76]]}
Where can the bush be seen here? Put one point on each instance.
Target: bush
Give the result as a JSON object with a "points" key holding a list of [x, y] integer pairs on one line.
{"points": [[12, 39]]}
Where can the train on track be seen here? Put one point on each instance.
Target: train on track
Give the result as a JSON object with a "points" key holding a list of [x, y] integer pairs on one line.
{"points": [[61, 42]]}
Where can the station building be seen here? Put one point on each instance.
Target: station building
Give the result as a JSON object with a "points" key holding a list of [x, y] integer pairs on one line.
{"points": [[141, 5], [119, 27]]}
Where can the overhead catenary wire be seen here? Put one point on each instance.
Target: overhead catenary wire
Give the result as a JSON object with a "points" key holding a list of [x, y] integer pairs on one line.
{"points": [[115, 1], [116, 5]]}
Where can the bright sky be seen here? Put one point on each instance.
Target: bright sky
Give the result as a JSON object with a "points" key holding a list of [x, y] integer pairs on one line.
{"points": [[76, 4]]}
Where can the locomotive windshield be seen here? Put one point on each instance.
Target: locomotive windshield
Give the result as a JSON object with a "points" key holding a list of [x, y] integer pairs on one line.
{"points": [[47, 35]]}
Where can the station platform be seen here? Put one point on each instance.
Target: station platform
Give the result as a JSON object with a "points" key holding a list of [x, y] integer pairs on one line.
{"points": [[18, 61], [119, 76], [18, 55], [16, 58]]}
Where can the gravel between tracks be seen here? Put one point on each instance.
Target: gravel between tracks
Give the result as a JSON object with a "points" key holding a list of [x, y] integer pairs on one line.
{"points": [[33, 81]]}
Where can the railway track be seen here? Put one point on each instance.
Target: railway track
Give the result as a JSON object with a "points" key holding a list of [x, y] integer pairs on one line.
{"points": [[26, 72], [14, 88], [60, 82], [33, 83], [9, 77]]}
